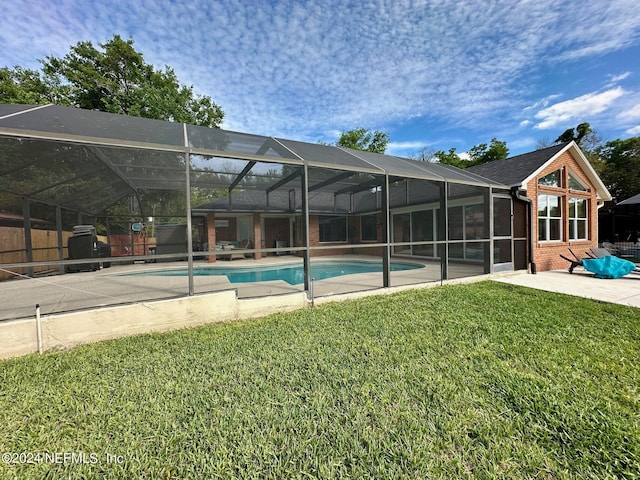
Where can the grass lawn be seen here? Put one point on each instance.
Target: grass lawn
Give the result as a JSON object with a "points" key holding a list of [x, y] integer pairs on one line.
{"points": [[471, 381]]}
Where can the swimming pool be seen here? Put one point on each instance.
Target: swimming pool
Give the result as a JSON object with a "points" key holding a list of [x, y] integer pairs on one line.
{"points": [[290, 273]]}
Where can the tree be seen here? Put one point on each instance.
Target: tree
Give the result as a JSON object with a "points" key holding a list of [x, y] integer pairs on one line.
{"points": [[22, 85], [544, 142], [577, 134], [425, 154], [621, 171], [113, 78], [478, 154], [588, 139], [450, 158], [483, 153], [361, 139]]}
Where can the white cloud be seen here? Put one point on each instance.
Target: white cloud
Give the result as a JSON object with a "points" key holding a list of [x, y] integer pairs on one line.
{"points": [[616, 79], [577, 108], [522, 143], [299, 69], [630, 114], [633, 131], [544, 102], [405, 148]]}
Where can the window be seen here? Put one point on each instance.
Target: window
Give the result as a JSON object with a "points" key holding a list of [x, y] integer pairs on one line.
{"points": [[576, 184], [549, 218], [368, 228], [422, 230], [554, 179], [333, 228], [417, 226], [577, 219]]}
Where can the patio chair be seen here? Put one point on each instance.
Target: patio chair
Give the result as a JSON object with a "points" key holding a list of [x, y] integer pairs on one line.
{"points": [[605, 266], [574, 263], [610, 247], [600, 252]]}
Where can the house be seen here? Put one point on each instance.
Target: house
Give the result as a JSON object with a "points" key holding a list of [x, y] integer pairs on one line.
{"points": [[557, 194], [301, 198]]}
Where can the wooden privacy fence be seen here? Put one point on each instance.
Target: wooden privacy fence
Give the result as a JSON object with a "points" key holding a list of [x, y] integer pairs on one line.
{"points": [[44, 244]]}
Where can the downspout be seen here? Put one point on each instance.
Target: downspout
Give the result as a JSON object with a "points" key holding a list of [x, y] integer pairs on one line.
{"points": [[515, 193]]}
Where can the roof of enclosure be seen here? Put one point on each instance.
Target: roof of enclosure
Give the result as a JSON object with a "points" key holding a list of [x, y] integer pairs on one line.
{"points": [[86, 160]]}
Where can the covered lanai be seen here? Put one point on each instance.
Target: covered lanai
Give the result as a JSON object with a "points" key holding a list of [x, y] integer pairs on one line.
{"points": [[133, 177]]}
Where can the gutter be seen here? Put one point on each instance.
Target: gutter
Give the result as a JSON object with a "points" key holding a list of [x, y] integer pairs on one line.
{"points": [[515, 193]]}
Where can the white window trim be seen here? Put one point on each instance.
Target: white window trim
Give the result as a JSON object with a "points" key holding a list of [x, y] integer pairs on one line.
{"points": [[573, 220], [548, 219], [561, 175], [575, 177]]}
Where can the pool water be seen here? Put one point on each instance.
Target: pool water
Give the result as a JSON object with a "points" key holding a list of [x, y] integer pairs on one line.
{"points": [[292, 273]]}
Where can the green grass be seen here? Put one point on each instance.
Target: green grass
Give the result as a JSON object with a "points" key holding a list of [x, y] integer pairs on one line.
{"points": [[470, 381]]}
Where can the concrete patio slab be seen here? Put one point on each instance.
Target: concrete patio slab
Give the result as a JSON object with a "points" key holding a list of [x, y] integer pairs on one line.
{"points": [[625, 290]]}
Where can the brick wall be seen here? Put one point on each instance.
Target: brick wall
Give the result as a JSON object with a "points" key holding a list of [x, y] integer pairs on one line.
{"points": [[547, 254]]}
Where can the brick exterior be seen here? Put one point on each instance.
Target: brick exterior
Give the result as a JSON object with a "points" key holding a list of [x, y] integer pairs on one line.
{"points": [[547, 254], [257, 235], [211, 235]]}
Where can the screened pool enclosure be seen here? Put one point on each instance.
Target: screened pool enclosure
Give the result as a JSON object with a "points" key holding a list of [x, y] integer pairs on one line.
{"points": [[160, 192]]}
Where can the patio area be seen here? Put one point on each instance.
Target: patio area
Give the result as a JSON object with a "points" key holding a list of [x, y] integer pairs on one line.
{"points": [[624, 291]]}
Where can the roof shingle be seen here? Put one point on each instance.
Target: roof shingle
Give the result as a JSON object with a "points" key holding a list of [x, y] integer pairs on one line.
{"points": [[513, 170]]}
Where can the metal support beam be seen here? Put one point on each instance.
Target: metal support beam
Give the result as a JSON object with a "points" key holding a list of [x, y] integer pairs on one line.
{"points": [[368, 185], [284, 181], [187, 182], [241, 175], [488, 230], [306, 260], [59, 236], [334, 179], [109, 164], [386, 234], [443, 229], [28, 245]]}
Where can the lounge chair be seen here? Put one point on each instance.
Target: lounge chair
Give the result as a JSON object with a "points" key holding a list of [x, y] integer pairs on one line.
{"points": [[231, 255], [600, 252], [577, 262], [604, 266]]}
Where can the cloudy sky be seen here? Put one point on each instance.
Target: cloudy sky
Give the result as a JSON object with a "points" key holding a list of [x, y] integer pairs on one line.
{"points": [[431, 73]]}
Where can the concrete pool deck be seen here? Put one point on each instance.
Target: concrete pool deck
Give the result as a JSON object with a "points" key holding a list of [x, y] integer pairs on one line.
{"points": [[112, 286]]}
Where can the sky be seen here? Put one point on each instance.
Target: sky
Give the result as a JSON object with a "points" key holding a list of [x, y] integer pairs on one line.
{"points": [[434, 74]]}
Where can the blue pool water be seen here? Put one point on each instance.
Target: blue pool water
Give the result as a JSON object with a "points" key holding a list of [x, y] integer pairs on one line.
{"points": [[292, 274]]}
